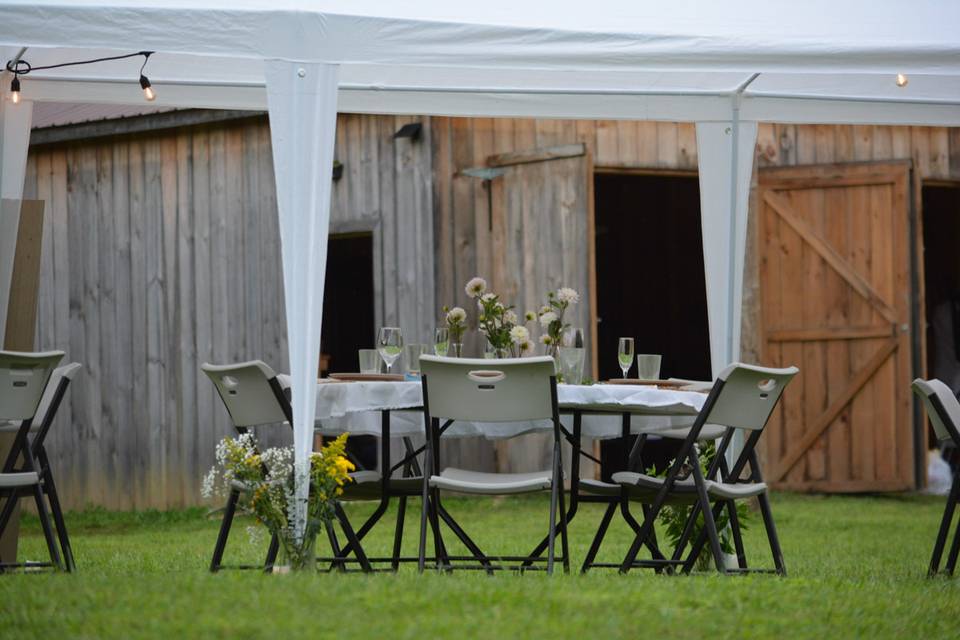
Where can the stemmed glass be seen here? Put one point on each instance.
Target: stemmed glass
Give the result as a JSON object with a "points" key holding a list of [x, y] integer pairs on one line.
{"points": [[625, 355], [390, 345], [441, 341]]}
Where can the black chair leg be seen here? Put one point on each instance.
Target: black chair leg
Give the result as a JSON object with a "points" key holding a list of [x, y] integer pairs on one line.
{"points": [[398, 534], [225, 524], [272, 552], [954, 551], [772, 534], [352, 538], [422, 548], [338, 555], [598, 537], [945, 522], [59, 522], [554, 489], [45, 525], [564, 544], [735, 532], [438, 547]]}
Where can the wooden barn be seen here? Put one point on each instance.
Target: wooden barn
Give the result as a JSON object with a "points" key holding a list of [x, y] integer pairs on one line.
{"points": [[160, 252]]}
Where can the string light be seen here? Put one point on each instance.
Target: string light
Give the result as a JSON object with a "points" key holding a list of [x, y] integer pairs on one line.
{"points": [[148, 91], [22, 68], [902, 80]]}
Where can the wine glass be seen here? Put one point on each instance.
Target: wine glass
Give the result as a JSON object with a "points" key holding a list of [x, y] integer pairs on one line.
{"points": [[625, 355], [441, 341], [390, 345]]}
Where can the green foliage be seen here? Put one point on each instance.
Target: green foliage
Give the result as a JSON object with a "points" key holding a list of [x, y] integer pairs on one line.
{"points": [[674, 518]]}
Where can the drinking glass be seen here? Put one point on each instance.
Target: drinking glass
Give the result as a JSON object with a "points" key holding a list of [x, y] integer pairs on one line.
{"points": [[390, 345], [571, 355], [648, 366], [441, 341], [572, 337], [369, 361], [625, 355], [411, 357]]}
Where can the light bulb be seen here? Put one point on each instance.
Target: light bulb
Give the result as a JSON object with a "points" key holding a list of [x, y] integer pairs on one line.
{"points": [[148, 91], [15, 90], [902, 80]]}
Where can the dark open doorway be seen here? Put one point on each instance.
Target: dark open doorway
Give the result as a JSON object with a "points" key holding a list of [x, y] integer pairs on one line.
{"points": [[650, 282], [348, 319], [348, 311], [941, 268]]}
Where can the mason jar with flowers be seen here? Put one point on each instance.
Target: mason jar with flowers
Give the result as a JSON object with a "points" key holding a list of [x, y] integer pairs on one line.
{"points": [[266, 485]]}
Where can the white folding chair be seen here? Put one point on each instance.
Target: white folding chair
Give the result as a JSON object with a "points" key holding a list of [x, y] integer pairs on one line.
{"points": [[39, 427], [254, 395], [944, 413], [24, 378], [508, 390], [743, 397]]}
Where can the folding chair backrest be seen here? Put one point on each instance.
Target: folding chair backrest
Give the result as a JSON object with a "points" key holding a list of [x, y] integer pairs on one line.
{"points": [[945, 417], [56, 387], [250, 391], [481, 390], [747, 395], [23, 379]]}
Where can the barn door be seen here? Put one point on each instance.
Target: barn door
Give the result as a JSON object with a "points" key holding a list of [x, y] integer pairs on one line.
{"points": [[542, 236], [836, 302]]}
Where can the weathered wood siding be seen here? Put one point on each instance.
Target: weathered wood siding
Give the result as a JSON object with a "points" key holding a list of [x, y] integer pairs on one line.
{"points": [[161, 252]]}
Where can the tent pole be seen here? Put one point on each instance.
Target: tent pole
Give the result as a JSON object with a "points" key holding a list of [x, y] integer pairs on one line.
{"points": [[302, 104], [725, 153]]}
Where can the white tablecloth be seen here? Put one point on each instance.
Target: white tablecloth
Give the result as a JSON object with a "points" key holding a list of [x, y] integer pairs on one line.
{"points": [[355, 407]]}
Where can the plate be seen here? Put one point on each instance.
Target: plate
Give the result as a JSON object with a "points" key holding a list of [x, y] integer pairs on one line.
{"points": [[663, 384], [367, 377]]}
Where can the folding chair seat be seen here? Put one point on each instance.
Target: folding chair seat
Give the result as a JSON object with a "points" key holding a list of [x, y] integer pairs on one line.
{"points": [[24, 379], [943, 409], [508, 390], [743, 397]]}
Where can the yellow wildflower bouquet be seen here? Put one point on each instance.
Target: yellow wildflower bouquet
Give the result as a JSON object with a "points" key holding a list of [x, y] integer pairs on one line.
{"points": [[266, 485]]}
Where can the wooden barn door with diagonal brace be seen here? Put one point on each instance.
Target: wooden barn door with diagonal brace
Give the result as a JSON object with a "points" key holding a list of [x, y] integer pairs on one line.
{"points": [[835, 287]]}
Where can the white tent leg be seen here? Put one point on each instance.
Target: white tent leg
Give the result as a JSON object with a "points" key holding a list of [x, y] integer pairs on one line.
{"points": [[725, 151], [725, 172], [302, 102], [15, 122]]}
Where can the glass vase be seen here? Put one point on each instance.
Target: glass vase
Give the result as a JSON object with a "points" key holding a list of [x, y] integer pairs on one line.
{"points": [[294, 555], [456, 350]]}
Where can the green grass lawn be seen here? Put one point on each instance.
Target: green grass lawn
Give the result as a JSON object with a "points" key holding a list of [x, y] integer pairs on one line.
{"points": [[857, 569]]}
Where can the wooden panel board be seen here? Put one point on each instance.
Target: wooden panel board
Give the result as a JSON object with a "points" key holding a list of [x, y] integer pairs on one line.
{"points": [[25, 277]]}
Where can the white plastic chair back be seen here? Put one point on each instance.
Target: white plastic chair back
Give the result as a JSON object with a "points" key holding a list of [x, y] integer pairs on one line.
{"points": [[66, 372], [748, 395], [246, 391], [927, 389], [481, 390], [23, 379]]}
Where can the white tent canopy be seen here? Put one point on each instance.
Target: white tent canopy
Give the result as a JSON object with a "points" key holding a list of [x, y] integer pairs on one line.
{"points": [[725, 66]]}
